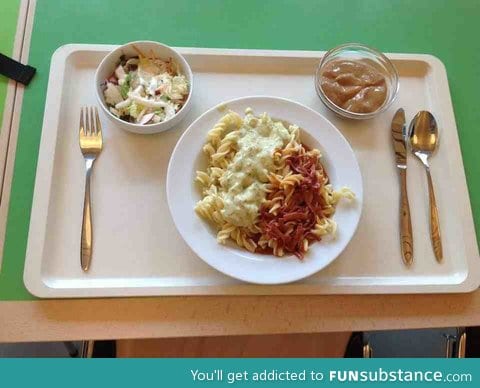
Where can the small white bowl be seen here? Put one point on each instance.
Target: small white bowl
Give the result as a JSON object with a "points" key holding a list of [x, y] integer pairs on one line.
{"points": [[108, 65]]}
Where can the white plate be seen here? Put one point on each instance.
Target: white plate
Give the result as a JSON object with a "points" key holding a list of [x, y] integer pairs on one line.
{"points": [[183, 193]]}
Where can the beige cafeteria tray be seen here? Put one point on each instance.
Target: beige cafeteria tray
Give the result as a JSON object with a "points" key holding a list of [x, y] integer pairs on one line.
{"points": [[137, 248]]}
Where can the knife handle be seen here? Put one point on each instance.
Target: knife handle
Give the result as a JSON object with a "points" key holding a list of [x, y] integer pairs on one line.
{"points": [[406, 240]]}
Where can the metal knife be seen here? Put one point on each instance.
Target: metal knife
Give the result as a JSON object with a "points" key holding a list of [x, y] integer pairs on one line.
{"points": [[399, 146]]}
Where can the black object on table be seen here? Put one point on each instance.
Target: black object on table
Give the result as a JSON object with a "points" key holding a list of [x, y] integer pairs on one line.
{"points": [[16, 70]]}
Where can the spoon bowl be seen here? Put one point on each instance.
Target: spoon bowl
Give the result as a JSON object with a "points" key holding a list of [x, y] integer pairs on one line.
{"points": [[423, 134]]}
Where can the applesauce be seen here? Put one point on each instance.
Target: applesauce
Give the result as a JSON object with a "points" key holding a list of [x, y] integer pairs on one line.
{"points": [[354, 85]]}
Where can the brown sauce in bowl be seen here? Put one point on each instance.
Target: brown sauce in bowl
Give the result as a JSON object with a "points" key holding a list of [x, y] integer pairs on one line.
{"points": [[354, 86]]}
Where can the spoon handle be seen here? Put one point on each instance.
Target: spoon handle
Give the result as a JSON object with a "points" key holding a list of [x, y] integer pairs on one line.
{"points": [[406, 239], [434, 222]]}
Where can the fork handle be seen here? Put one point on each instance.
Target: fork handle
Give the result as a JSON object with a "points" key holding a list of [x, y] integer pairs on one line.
{"points": [[86, 242], [434, 221]]}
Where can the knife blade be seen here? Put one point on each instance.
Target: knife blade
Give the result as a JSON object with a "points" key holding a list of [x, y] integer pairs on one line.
{"points": [[398, 138]]}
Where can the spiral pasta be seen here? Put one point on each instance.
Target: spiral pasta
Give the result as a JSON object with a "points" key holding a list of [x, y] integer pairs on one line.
{"points": [[263, 189]]}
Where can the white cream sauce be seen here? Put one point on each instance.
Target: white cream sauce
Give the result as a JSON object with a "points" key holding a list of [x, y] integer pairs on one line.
{"points": [[243, 183]]}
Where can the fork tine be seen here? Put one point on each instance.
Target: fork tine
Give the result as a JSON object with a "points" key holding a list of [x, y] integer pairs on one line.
{"points": [[87, 122], [82, 126], [99, 125], [93, 129]]}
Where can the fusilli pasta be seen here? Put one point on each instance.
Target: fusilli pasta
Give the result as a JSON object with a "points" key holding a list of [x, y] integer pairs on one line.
{"points": [[263, 189]]}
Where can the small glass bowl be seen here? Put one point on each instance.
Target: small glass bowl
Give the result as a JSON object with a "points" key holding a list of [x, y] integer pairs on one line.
{"points": [[357, 51]]}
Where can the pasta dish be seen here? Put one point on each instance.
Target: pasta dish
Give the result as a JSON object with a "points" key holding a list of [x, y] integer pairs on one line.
{"points": [[263, 188]]}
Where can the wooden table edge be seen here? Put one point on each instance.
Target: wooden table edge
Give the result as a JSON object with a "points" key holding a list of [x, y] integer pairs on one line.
{"points": [[163, 317]]}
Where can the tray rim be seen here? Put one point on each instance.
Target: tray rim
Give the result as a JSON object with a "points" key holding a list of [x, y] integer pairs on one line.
{"points": [[34, 254]]}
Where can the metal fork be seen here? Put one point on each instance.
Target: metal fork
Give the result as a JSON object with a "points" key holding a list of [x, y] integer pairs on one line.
{"points": [[90, 138]]}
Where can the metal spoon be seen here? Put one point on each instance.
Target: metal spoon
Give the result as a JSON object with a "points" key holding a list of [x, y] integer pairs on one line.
{"points": [[423, 136]]}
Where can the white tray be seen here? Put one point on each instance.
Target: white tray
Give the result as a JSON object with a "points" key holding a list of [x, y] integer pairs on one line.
{"points": [[137, 250]]}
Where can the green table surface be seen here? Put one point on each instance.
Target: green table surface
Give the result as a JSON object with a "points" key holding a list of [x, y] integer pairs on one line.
{"points": [[445, 28], [8, 26]]}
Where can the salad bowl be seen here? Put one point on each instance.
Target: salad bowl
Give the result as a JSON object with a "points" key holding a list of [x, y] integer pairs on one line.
{"points": [[107, 69]]}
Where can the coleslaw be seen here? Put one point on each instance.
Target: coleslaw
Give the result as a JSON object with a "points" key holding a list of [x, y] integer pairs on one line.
{"points": [[146, 90]]}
